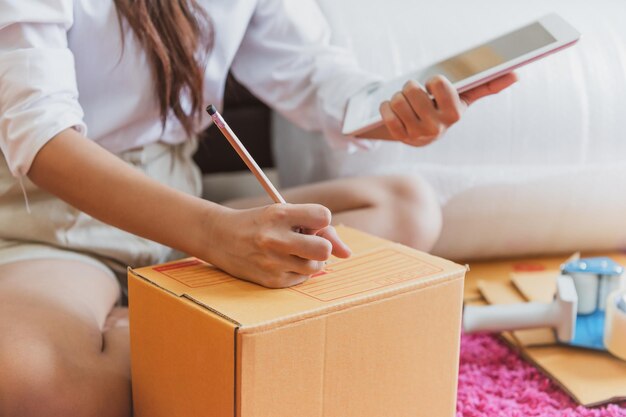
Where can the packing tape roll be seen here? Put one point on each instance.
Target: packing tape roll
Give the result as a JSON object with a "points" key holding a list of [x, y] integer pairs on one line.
{"points": [[615, 327]]}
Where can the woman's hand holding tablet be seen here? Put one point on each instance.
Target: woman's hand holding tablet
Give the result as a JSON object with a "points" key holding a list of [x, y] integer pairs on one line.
{"points": [[403, 110]]}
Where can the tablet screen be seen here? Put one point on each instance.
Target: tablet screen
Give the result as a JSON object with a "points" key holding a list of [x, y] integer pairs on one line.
{"points": [[489, 55]]}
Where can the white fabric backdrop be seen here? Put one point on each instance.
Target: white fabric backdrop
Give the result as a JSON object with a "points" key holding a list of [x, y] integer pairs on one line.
{"points": [[539, 168]]}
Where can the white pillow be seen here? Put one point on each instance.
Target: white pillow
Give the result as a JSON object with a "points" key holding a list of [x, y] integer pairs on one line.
{"points": [[539, 168]]}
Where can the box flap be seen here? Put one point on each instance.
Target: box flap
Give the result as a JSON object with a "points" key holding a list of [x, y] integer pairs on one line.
{"points": [[536, 286], [377, 268]]}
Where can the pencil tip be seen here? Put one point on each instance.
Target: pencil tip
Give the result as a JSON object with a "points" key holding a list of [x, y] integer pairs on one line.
{"points": [[211, 110]]}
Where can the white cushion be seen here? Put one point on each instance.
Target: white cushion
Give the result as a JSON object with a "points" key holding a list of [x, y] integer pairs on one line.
{"points": [[539, 168]]}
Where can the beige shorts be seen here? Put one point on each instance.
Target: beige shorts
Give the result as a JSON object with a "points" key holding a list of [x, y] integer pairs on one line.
{"points": [[55, 230]]}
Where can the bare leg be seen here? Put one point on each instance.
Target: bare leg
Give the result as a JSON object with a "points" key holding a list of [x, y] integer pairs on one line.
{"points": [[399, 208], [59, 355]]}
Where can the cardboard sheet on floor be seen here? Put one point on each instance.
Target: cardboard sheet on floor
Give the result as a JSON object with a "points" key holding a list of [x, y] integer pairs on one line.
{"points": [[590, 377], [500, 270]]}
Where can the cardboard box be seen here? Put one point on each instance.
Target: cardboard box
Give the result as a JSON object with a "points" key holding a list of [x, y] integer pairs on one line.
{"points": [[376, 335]]}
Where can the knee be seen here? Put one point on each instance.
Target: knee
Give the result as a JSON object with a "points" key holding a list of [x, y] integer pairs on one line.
{"points": [[41, 381], [415, 211]]}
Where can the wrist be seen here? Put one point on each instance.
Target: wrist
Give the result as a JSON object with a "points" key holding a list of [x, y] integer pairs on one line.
{"points": [[208, 233]]}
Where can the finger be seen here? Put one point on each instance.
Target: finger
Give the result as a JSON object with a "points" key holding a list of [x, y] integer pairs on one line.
{"points": [[490, 88], [284, 280], [340, 249], [307, 216], [503, 82], [305, 246], [448, 101], [429, 126], [407, 115], [419, 100], [392, 122], [311, 247], [293, 278], [303, 266]]}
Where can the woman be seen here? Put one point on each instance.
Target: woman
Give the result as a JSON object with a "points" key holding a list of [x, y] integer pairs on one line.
{"points": [[144, 70]]}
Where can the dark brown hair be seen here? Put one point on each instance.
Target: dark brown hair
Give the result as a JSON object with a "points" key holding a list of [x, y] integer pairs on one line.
{"points": [[177, 37]]}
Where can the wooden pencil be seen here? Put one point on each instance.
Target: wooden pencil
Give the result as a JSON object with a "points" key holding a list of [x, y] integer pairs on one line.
{"points": [[244, 154]]}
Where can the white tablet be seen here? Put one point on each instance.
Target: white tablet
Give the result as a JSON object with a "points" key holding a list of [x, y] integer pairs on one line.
{"points": [[468, 69]]}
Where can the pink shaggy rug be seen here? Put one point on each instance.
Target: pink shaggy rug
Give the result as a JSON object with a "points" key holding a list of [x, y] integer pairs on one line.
{"points": [[495, 382]]}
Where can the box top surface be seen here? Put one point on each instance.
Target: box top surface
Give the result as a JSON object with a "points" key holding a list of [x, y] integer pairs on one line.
{"points": [[377, 269]]}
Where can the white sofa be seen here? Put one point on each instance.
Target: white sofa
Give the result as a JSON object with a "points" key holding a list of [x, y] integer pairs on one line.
{"points": [[540, 168]]}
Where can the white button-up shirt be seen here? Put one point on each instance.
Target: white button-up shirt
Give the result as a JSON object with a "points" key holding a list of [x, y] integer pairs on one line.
{"points": [[63, 65]]}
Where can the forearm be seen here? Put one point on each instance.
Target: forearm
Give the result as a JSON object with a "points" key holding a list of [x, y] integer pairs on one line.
{"points": [[95, 181]]}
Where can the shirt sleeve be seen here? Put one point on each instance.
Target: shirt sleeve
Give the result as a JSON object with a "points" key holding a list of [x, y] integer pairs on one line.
{"points": [[286, 60], [38, 91]]}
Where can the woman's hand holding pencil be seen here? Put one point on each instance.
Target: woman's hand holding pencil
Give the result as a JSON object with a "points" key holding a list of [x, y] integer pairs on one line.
{"points": [[275, 246], [262, 245]]}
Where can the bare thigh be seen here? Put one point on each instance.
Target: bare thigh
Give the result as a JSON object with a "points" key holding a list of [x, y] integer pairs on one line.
{"points": [[58, 354], [400, 208]]}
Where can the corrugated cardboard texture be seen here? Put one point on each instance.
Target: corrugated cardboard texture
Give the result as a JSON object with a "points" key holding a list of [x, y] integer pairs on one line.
{"points": [[591, 377], [182, 358], [393, 357]]}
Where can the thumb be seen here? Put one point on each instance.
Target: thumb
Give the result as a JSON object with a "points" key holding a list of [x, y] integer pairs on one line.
{"points": [[340, 249]]}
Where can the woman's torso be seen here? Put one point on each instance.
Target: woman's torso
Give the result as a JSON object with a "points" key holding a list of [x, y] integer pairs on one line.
{"points": [[121, 112], [116, 89]]}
